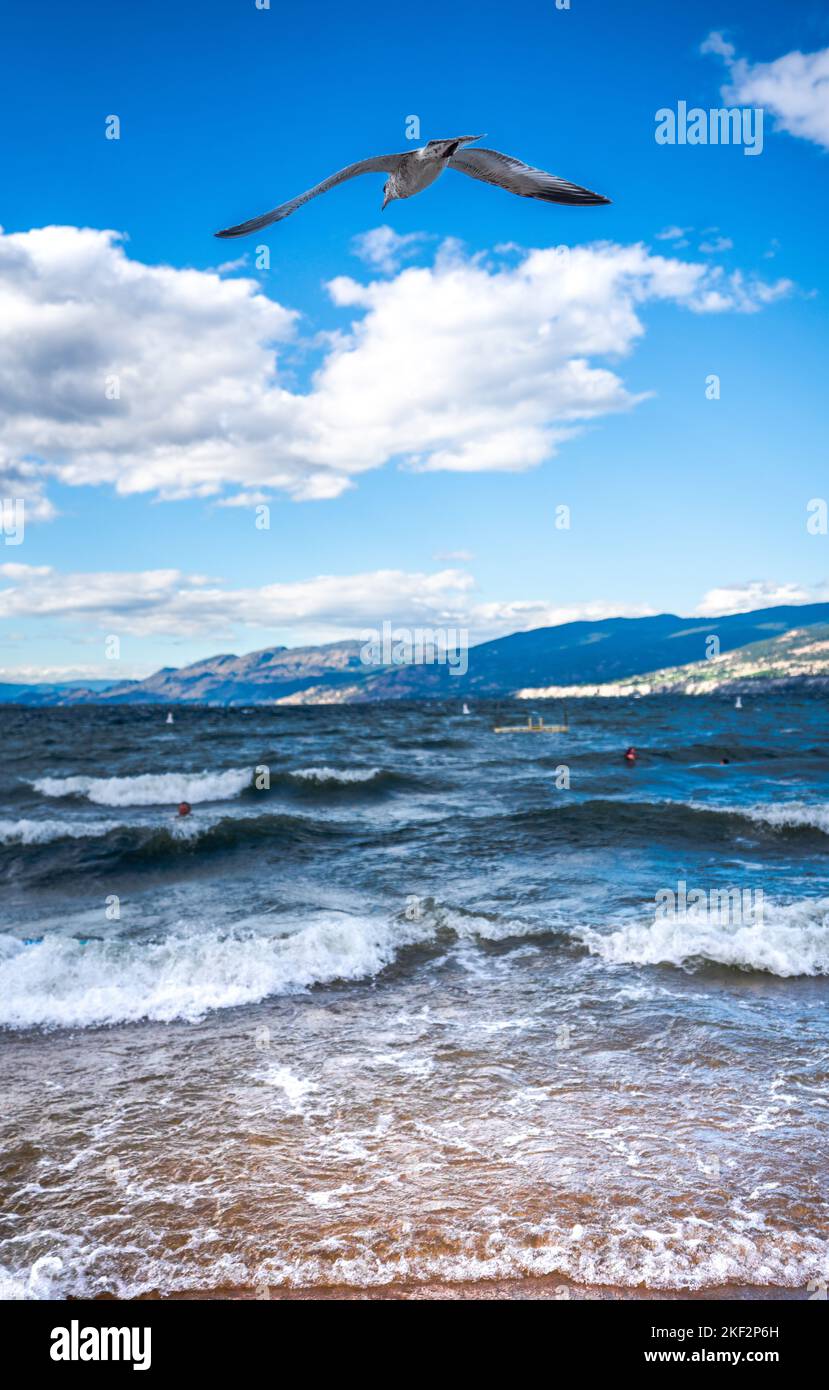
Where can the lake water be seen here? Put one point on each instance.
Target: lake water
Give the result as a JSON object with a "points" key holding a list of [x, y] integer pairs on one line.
{"points": [[405, 1013]]}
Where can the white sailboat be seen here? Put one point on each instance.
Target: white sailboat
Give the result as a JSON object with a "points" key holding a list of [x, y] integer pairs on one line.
{"points": [[169, 718], [466, 709], [738, 703]]}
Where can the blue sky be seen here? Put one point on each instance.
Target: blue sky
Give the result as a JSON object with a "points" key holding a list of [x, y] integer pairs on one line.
{"points": [[226, 110]]}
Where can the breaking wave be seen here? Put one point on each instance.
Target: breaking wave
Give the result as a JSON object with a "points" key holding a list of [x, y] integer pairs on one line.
{"points": [[149, 788], [333, 774], [42, 832], [62, 982], [785, 940], [790, 815]]}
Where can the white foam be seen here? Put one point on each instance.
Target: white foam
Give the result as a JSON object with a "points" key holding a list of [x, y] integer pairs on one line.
{"points": [[41, 832], [791, 813], [789, 940], [42, 1281], [333, 774], [150, 788], [775, 813], [684, 1254], [630, 1249], [295, 1088], [61, 982]]}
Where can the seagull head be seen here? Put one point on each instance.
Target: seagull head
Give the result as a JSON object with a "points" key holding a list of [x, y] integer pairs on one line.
{"points": [[389, 194]]}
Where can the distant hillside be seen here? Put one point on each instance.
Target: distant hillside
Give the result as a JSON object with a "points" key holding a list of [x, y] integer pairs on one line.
{"points": [[47, 693], [584, 654], [797, 658]]}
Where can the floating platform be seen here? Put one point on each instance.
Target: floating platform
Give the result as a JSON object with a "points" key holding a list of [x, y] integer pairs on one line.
{"points": [[539, 727]]}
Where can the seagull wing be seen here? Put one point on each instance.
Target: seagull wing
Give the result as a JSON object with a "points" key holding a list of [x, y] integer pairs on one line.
{"points": [[517, 177], [380, 164]]}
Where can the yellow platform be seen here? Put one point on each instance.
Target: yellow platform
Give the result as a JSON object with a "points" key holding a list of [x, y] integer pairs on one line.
{"points": [[530, 728]]}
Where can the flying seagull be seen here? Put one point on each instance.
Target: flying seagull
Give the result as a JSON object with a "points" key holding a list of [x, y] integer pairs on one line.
{"points": [[413, 171]]}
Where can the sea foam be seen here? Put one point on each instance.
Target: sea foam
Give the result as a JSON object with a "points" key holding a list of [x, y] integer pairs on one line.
{"points": [[42, 832], [61, 982], [150, 788], [789, 940], [781, 815], [333, 774]]}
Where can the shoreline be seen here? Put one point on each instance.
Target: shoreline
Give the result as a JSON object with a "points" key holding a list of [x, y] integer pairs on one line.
{"points": [[549, 1288]]}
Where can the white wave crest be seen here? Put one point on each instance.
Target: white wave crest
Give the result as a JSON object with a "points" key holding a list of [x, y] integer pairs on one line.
{"points": [[61, 982], [789, 940], [333, 774], [791, 813], [41, 832], [780, 814], [150, 788]]}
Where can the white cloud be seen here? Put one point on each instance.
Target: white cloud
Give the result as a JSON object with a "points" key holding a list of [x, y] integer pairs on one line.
{"points": [[520, 615], [794, 88], [677, 234], [744, 598], [456, 557], [228, 267], [175, 604], [326, 608], [385, 249], [717, 244], [171, 604], [716, 43], [467, 364], [24, 480], [244, 499], [55, 675], [735, 291]]}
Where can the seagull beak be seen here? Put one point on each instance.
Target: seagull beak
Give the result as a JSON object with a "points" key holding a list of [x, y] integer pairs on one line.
{"points": [[385, 203]]}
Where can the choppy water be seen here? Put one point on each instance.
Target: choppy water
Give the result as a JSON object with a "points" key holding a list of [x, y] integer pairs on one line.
{"points": [[406, 1014]]}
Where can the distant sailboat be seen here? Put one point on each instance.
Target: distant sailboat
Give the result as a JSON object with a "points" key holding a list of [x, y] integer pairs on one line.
{"points": [[738, 703], [169, 719], [466, 709]]}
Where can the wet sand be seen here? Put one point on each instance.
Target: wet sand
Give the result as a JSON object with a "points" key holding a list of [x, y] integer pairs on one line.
{"points": [[553, 1289]]}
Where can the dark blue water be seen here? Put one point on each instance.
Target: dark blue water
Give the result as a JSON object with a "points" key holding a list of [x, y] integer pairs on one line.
{"points": [[405, 1001]]}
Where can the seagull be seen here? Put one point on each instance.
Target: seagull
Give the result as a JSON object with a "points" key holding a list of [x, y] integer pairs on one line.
{"points": [[411, 172]]}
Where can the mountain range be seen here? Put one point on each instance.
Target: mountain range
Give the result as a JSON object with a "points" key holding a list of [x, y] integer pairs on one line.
{"points": [[664, 652]]}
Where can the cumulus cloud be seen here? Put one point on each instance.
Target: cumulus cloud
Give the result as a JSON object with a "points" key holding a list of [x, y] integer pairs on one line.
{"points": [[175, 604], [794, 87], [172, 604], [744, 598], [385, 249], [169, 603], [23, 480], [172, 382]]}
